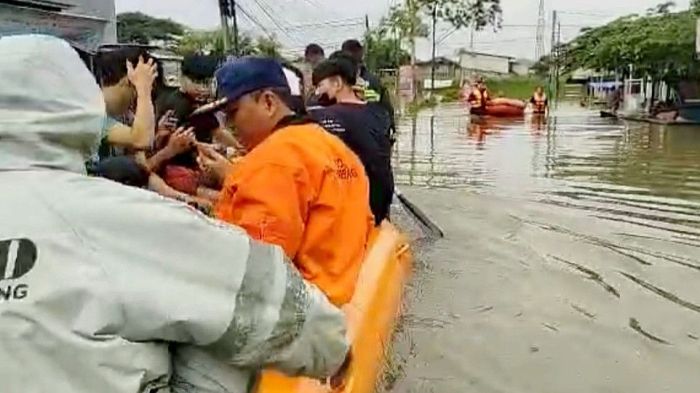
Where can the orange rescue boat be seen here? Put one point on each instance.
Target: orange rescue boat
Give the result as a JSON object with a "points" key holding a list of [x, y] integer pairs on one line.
{"points": [[372, 315], [501, 107]]}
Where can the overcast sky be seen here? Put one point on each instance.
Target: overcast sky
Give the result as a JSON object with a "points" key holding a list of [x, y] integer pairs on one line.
{"points": [[329, 22]]}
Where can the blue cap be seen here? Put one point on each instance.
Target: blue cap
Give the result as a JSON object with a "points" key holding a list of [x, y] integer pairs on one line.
{"points": [[242, 76], [248, 74]]}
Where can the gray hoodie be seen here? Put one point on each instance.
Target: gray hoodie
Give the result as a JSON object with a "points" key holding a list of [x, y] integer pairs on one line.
{"points": [[98, 281]]}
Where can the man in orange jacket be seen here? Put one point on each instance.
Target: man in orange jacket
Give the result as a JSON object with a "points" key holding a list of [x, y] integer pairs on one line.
{"points": [[298, 186]]}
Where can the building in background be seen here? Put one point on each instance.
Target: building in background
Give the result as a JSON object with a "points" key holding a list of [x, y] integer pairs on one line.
{"points": [[485, 63], [87, 24], [447, 73], [521, 67]]}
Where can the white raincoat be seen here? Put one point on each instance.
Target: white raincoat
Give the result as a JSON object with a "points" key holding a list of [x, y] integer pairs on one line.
{"points": [[98, 280]]}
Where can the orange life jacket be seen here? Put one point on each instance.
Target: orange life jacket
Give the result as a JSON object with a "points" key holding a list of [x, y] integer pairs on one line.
{"points": [[540, 102], [479, 98]]}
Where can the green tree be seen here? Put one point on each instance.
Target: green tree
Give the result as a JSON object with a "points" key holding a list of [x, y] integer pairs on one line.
{"points": [[139, 28], [543, 65], [408, 20], [383, 50], [663, 8], [268, 46], [659, 46], [211, 42], [465, 13]]}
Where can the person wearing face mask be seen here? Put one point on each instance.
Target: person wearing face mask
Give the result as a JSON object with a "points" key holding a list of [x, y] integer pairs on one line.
{"points": [[364, 127]]}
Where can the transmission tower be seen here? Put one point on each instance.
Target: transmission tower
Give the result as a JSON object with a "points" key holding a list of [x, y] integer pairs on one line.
{"points": [[539, 48]]}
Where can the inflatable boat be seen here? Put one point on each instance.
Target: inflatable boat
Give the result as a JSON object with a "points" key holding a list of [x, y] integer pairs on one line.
{"points": [[372, 315], [501, 107]]}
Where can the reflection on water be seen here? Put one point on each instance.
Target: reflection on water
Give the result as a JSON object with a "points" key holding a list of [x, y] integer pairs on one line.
{"points": [[575, 159], [579, 236]]}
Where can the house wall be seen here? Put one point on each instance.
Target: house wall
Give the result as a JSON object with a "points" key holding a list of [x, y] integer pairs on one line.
{"points": [[519, 69], [104, 9], [485, 63], [445, 75], [88, 23], [442, 71]]}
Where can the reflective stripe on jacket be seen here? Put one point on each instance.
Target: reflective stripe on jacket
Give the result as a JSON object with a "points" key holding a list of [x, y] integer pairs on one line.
{"points": [[98, 280]]}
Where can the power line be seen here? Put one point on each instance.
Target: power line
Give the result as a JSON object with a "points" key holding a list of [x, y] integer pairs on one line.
{"points": [[318, 26], [585, 13], [274, 21], [253, 19], [329, 23]]}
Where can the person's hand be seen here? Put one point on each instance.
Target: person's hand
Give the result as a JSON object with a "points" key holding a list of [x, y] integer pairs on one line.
{"points": [[143, 75], [212, 162], [181, 141], [166, 126], [168, 121]]}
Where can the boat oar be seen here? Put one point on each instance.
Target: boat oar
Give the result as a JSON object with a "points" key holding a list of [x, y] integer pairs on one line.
{"points": [[419, 215]]}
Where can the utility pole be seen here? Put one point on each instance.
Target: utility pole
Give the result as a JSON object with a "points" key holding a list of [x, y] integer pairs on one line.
{"points": [[432, 63], [225, 12], [471, 40], [368, 50], [554, 30], [558, 61], [553, 55], [236, 48], [539, 45], [413, 15]]}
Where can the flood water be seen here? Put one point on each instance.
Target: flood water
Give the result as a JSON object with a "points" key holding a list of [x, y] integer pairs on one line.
{"points": [[571, 261]]}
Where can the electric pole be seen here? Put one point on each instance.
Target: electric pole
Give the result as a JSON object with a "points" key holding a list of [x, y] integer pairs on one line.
{"points": [[553, 61], [225, 12], [432, 63], [539, 45], [413, 16], [369, 59], [559, 56], [471, 40], [236, 48]]}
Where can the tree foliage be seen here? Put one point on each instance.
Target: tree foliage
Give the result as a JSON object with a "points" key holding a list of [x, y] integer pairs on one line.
{"points": [[383, 49], [661, 46], [465, 13], [269, 47], [211, 42], [663, 8], [405, 22], [408, 20], [139, 28]]}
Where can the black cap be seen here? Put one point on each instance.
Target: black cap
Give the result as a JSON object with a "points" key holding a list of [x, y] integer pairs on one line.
{"points": [[313, 49], [200, 67], [338, 64]]}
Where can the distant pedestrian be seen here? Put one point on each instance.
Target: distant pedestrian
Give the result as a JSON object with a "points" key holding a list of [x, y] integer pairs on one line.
{"points": [[313, 56], [371, 85]]}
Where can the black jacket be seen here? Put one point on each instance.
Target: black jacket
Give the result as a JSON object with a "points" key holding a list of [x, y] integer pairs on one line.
{"points": [[365, 130], [384, 97]]}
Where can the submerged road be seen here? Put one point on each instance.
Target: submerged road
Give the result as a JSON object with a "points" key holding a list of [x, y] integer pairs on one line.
{"points": [[571, 262]]}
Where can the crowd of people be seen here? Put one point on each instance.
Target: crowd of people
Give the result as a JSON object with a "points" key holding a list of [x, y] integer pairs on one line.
{"points": [[297, 160]]}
